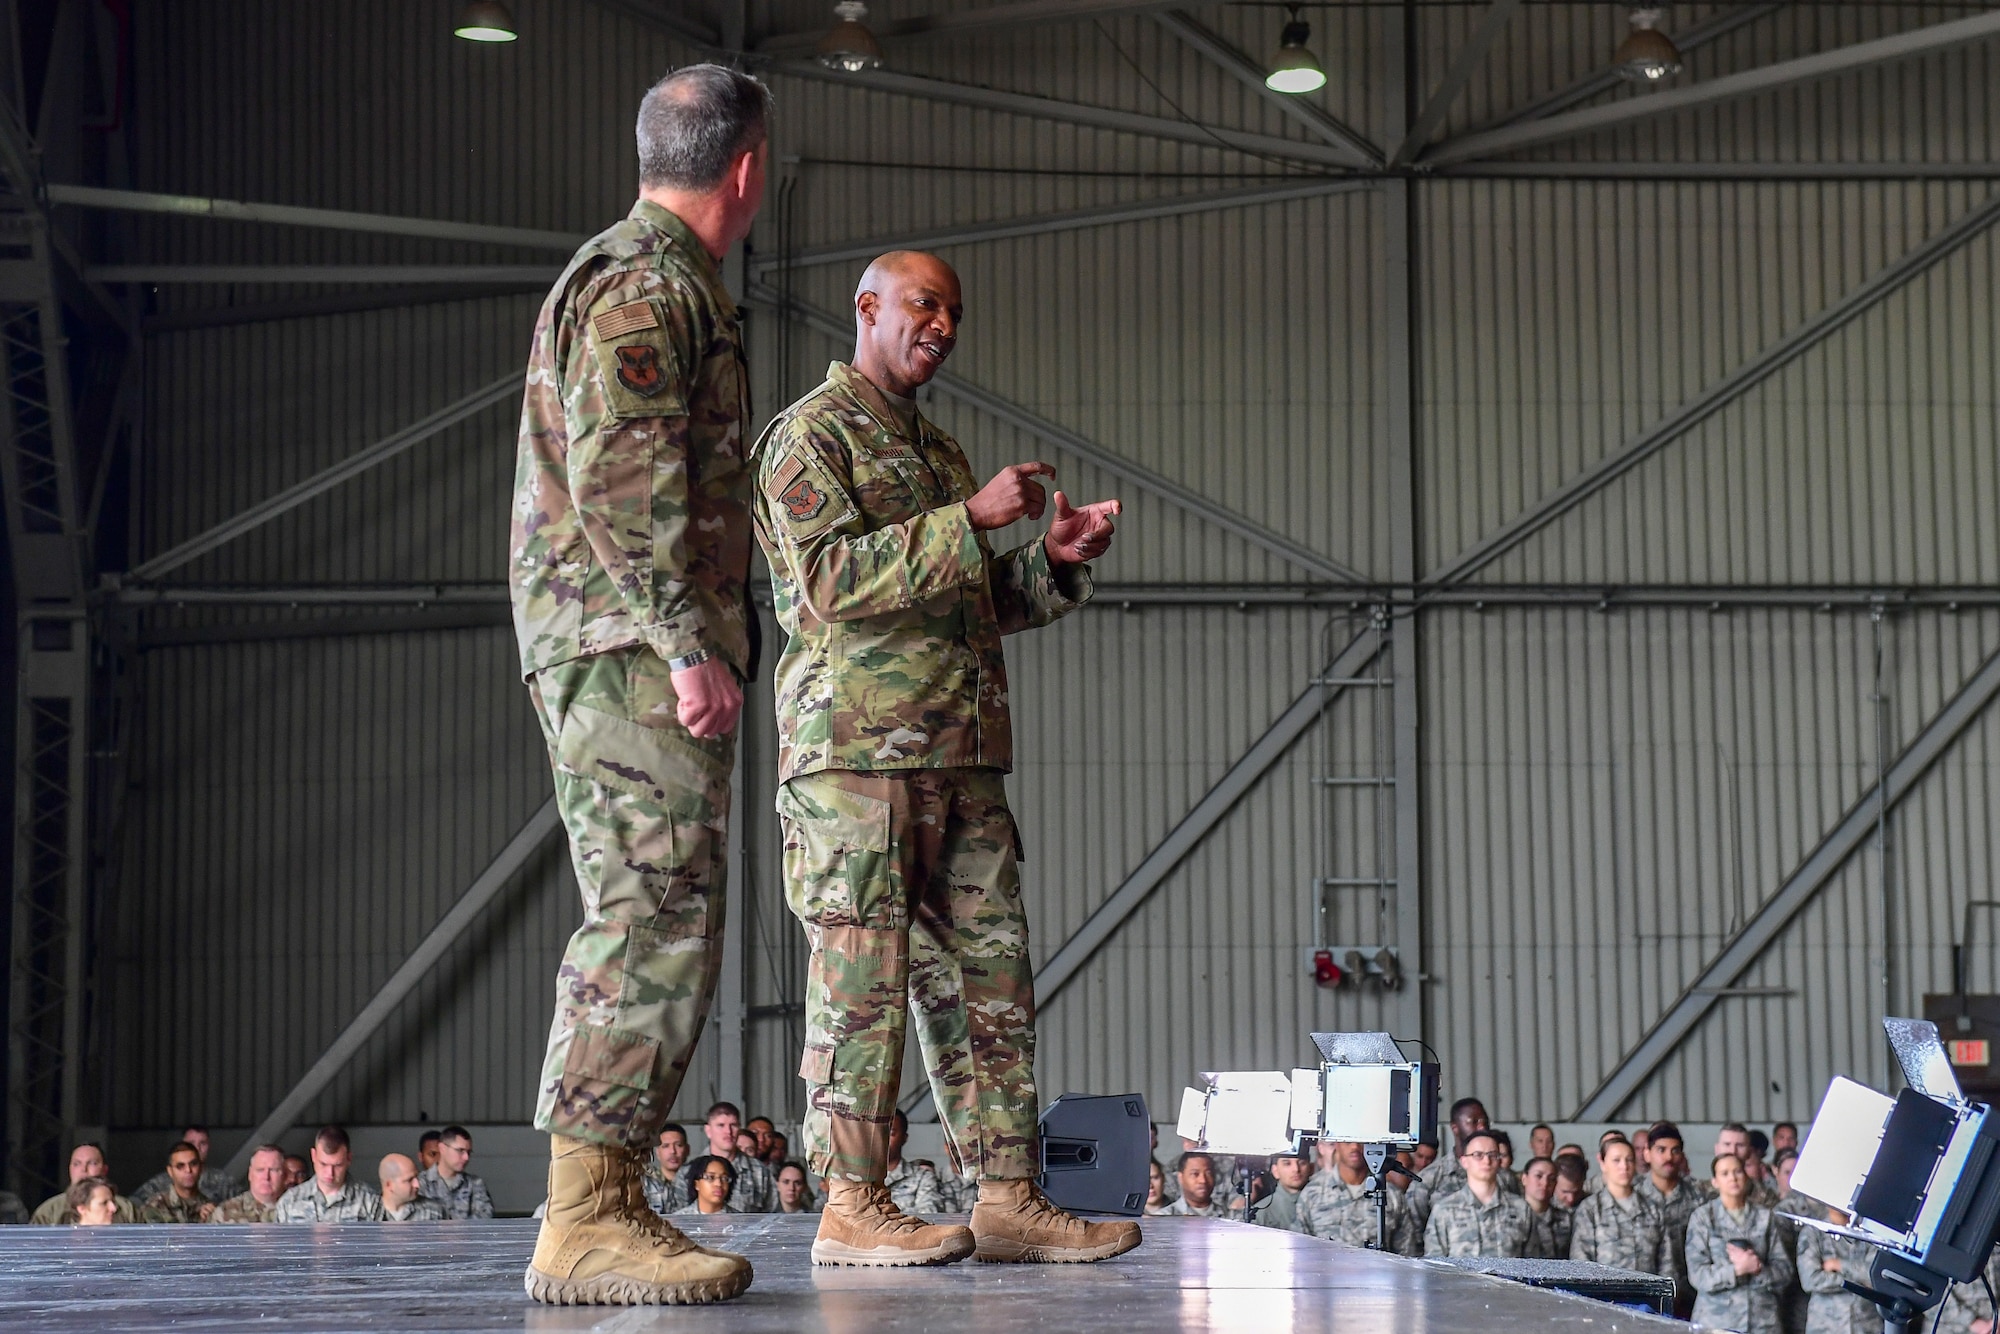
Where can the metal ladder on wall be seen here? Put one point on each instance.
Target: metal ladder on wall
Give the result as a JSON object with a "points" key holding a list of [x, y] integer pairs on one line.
{"points": [[1354, 882]]}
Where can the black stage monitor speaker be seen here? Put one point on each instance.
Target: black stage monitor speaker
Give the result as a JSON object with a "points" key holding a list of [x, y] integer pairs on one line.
{"points": [[1096, 1152]]}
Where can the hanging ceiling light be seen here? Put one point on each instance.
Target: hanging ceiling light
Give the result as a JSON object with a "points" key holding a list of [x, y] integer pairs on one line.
{"points": [[1647, 55], [485, 21], [1295, 69], [848, 45]]}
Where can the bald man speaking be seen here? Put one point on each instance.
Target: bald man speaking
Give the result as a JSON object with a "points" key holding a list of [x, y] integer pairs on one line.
{"points": [[901, 857]]}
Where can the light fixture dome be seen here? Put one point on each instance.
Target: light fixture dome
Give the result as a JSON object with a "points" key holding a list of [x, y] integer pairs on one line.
{"points": [[1295, 69], [848, 45], [485, 21], [1647, 55]]}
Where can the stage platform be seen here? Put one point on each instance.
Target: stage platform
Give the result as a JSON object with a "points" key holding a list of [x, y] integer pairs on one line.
{"points": [[1191, 1274]]}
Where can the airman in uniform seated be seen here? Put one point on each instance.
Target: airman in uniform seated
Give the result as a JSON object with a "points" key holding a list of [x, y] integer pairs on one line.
{"points": [[913, 1186], [1196, 1173], [259, 1204], [1280, 1209], [1447, 1174], [94, 1202], [665, 1192], [329, 1197], [1549, 1223], [1334, 1204], [1482, 1218], [458, 1192], [403, 1200], [795, 1192], [714, 1180], [86, 1163], [183, 1202], [214, 1183]]}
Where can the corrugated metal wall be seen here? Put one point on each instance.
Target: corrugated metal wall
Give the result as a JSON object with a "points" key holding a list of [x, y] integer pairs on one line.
{"points": [[1607, 795]]}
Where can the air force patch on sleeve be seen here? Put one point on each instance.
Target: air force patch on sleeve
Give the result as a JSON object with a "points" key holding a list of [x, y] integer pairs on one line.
{"points": [[639, 369], [804, 500]]}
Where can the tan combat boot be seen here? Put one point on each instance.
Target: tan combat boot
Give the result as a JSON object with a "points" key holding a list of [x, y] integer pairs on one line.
{"points": [[1015, 1223], [595, 1249], [862, 1226]]}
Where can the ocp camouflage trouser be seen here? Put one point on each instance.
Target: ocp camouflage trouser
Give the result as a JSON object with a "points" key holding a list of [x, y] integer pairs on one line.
{"points": [[909, 888], [645, 805]]}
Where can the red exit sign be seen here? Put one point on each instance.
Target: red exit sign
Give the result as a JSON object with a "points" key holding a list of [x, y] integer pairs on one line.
{"points": [[1970, 1051]]}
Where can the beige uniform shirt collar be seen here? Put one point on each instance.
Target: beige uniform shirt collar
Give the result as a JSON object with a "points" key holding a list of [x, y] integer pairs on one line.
{"points": [[684, 239]]}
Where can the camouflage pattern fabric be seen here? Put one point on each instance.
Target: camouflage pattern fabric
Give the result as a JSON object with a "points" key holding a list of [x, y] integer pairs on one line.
{"points": [[1180, 1208], [663, 1195], [423, 1209], [957, 1194], [55, 1211], [244, 1208], [1460, 1225], [214, 1183], [631, 521], [1279, 1209], [171, 1208], [689, 1210], [1625, 1234], [1549, 1233], [1330, 1208], [1445, 1177], [913, 1187], [464, 1197], [755, 1191], [1676, 1209], [1966, 1302], [894, 604], [1832, 1309], [645, 805], [1795, 1302], [1725, 1300], [355, 1203], [909, 889]]}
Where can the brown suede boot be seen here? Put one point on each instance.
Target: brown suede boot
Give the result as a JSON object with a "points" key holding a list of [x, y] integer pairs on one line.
{"points": [[1015, 1223], [594, 1249], [862, 1226]]}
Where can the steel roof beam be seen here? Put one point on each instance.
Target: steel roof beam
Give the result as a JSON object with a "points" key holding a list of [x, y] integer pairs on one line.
{"points": [[1470, 57], [1078, 113], [1798, 890], [952, 23], [288, 215], [163, 275], [1651, 106]]}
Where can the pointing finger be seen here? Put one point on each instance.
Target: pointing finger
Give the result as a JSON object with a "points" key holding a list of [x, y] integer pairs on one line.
{"points": [[1037, 468]]}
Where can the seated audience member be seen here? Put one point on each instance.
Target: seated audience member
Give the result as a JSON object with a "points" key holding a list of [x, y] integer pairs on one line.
{"points": [[795, 1192], [1483, 1218], [913, 1186], [1618, 1226], [1784, 1135], [403, 1200], [459, 1193], [86, 1163], [1542, 1143], [259, 1204], [1222, 1167], [1506, 1143], [1280, 1208], [427, 1149], [1425, 1154], [1666, 1185], [329, 1197], [213, 1183], [1156, 1189], [1733, 1141], [13, 1209], [756, 1191], [298, 1171], [183, 1202], [1735, 1258], [94, 1202], [764, 1134], [1548, 1222], [1572, 1180], [1824, 1262], [959, 1193], [714, 1180], [1196, 1173], [665, 1192], [781, 1150], [1335, 1204]]}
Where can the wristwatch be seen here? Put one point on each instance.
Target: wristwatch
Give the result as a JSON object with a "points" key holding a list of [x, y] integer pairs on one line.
{"points": [[687, 660]]}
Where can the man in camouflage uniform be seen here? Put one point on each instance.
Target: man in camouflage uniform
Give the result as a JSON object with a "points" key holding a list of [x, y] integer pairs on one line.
{"points": [[662, 1183], [215, 1183], [403, 1198], [1447, 1175], [458, 1192], [1335, 1204], [628, 567], [1290, 1173], [330, 1197], [913, 1186], [1199, 1197], [1481, 1219], [183, 1202], [1618, 1226], [756, 1187], [258, 1204], [1666, 1185], [901, 856], [86, 1161]]}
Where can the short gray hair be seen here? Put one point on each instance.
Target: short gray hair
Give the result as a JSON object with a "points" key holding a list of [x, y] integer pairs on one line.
{"points": [[695, 122]]}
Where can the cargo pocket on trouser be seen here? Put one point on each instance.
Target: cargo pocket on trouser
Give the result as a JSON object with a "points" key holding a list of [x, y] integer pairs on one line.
{"points": [[842, 883], [645, 814]]}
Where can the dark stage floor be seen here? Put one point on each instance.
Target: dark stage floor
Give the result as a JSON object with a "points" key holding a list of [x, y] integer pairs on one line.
{"points": [[1192, 1273]]}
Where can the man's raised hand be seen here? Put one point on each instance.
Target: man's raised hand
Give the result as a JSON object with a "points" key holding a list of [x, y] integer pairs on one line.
{"points": [[1012, 494], [1081, 534]]}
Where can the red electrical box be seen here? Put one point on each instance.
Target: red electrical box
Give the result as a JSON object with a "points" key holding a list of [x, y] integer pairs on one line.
{"points": [[1326, 972]]}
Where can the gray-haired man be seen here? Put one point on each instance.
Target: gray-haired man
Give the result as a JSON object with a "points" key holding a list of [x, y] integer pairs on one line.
{"points": [[628, 567]]}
